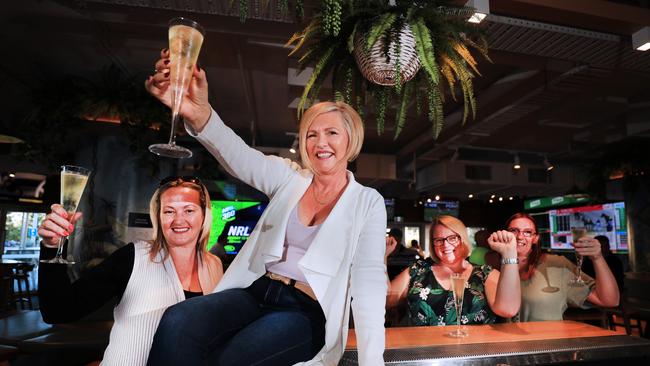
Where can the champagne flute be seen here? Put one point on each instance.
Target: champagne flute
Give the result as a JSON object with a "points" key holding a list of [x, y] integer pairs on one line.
{"points": [[185, 39], [578, 233], [458, 284], [73, 182]]}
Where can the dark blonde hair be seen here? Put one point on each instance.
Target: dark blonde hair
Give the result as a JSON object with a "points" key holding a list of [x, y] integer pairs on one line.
{"points": [[158, 242], [351, 122], [536, 249], [457, 227]]}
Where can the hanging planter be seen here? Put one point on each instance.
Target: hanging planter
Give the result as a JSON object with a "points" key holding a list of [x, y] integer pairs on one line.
{"points": [[382, 62], [410, 51]]}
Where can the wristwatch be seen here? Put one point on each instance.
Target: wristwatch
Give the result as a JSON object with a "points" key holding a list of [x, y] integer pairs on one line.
{"points": [[509, 260]]}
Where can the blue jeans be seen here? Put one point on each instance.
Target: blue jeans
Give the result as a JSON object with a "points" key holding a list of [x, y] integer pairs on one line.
{"points": [[268, 323]]}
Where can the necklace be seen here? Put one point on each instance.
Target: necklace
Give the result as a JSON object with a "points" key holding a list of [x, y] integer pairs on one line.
{"points": [[313, 193]]}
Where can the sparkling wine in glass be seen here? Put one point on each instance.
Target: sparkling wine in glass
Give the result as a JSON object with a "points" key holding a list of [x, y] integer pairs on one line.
{"points": [[73, 182], [185, 39], [458, 284], [578, 233]]}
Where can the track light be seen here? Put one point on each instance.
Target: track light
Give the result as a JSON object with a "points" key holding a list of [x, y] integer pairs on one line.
{"points": [[294, 146], [548, 164], [428, 200], [437, 197], [481, 10], [454, 157], [492, 196], [510, 198], [470, 196], [517, 163], [641, 39]]}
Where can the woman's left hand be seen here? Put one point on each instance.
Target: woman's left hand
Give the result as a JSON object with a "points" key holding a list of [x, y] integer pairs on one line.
{"points": [[589, 247], [391, 244], [504, 243]]}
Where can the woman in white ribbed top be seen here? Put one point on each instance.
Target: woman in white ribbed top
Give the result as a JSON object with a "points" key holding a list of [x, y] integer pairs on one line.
{"points": [[146, 277]]}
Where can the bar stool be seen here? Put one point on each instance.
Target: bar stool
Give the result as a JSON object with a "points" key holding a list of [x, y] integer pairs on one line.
{"points": [[21, 277]]}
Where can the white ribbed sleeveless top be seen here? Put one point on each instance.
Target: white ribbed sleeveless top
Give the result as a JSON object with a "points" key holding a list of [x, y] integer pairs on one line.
{"points": [[152, 288]]}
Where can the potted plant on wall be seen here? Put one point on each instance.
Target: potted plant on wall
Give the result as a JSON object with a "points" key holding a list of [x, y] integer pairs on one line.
{"points": [[379, 49]]}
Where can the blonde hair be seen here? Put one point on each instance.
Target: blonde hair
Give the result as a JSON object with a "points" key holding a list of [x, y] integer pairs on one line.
{"points": [[351, 122], [158, 242], [457, 227]]}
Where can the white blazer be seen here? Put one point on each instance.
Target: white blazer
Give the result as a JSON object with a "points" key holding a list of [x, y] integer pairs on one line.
{"points": [[344, 264]]}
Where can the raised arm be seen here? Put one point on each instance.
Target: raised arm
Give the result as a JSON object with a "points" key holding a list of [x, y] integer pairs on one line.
{"points": [[369, 285], [606, 292], [502, 289], [63, 301], [265, 173]]}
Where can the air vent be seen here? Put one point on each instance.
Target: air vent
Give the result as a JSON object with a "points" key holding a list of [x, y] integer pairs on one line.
{"points": [[478, 172]]}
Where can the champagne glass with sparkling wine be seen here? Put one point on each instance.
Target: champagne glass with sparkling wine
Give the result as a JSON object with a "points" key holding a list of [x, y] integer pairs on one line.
{"points": [[73, 182], [578, 233], [458, 284], [185, 39]]}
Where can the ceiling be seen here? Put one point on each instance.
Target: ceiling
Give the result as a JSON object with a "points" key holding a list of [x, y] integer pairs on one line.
{"points": [[564, 81]]}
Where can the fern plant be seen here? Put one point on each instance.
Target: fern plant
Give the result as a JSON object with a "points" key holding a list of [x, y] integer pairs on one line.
{"points": [[443, 39]]}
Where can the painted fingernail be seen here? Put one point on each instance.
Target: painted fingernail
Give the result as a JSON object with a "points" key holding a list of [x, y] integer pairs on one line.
{"points": [[165, 50], [167, 74], [71, 227], [65, 233], [166, 62]]}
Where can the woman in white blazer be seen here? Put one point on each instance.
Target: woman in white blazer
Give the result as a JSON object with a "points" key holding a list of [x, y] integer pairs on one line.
{"points": [[316, 251]]}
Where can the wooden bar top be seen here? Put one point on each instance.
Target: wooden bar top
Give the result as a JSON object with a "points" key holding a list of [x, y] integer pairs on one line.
{"points": [[408, 337]]}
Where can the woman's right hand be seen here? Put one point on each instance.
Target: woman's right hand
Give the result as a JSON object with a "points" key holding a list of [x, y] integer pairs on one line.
{"points": [[56, 225], [195, 108]]}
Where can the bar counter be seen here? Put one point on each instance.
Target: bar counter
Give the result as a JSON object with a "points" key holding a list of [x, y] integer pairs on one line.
{"points": [[532, 343]]}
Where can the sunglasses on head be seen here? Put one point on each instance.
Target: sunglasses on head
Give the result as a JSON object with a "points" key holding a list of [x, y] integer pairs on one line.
{"points": [[180, 179]]}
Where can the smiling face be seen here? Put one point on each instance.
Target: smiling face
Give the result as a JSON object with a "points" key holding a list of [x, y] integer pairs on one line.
{"points": [[524, 244], [181, 216], [447, 253], [327, 144]]}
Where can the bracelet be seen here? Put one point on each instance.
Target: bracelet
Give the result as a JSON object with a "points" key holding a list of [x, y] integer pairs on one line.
{"points": [[509, 260]]}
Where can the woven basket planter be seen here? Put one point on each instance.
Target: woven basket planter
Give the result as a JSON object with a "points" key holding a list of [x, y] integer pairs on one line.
{"points": [[373, 65]]}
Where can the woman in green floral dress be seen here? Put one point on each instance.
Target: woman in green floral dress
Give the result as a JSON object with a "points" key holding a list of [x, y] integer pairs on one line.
{"points": [[426, 285]]}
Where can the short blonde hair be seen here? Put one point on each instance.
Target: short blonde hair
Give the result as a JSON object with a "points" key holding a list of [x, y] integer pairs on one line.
{"points": [[351, 122], [457, 227], [158, 242]]}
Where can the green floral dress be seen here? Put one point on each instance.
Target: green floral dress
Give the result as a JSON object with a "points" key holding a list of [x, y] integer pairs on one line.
{"points": [[430, 304]]}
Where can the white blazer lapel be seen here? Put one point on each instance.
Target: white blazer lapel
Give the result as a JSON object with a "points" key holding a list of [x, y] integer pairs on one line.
{"points": [[331, 245], [274, 225]]}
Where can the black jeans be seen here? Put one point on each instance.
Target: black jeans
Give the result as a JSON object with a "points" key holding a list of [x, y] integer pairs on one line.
{"points": [[268, 323]]}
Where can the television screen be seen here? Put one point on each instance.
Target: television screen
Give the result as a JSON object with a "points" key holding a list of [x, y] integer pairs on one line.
{"points": [[233, 222], [390, 208], [606, 219], [434, 209]]}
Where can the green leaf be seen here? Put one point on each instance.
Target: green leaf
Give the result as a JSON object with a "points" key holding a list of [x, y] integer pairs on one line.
{"points": [[351, 38], [400, 118], [378, 28], [381, 98], [424, 48], [317, 70]]}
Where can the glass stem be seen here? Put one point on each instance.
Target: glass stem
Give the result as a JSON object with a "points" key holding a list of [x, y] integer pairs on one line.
{"points": [[59, 249], [172, 134], [579, 263]]}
